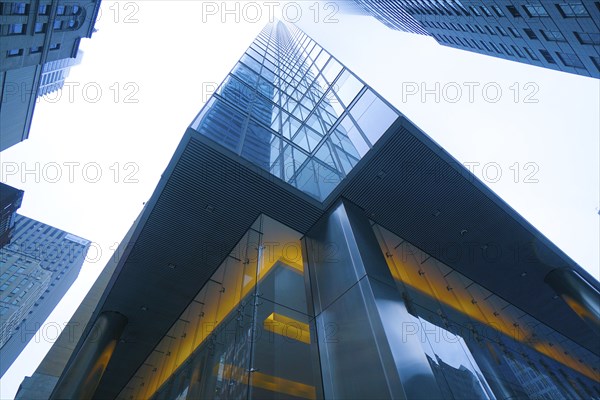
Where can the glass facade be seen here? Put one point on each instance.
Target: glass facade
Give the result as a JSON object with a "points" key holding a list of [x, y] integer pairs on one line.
{"points": [[293, 110], [479, 345], [249, 333]]}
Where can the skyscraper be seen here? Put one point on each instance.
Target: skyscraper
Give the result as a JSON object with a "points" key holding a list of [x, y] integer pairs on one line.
{"points": [[37, 268], [560, 35], [54, 74], [308, 241], [10, 201], [36, 35]]}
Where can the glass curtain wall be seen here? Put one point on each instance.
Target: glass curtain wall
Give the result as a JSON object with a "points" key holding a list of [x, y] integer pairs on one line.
{"points": [[249, 332], [480, 346], [293, 110]]}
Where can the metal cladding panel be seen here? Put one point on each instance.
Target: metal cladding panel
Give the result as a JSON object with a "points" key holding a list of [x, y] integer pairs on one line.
{"points": [[413, 197], [208, 202]]}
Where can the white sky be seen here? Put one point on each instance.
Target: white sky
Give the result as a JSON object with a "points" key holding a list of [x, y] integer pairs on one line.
{"points": [[163, 53]]}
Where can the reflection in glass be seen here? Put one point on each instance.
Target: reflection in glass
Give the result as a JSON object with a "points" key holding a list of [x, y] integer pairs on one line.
{"points": [[283, 82], [471, 334], [247, 334]]}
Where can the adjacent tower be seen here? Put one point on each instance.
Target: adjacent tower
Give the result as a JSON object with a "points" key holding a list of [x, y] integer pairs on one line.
{"points": [[37, 268], [560, 35]]}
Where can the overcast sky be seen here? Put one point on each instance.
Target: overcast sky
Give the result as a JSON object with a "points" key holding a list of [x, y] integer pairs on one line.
{"points": [[145, 76]]}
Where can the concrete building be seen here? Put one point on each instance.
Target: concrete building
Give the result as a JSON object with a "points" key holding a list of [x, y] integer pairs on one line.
{"points": [[10, 201], [560, 35], [37, 268], [35, 33]]}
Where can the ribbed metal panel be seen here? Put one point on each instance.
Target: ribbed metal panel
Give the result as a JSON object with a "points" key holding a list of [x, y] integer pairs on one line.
{"points": [[412, 198]]}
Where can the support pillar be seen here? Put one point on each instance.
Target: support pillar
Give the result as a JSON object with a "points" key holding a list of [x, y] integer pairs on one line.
{"points": [[82, 377], [578, 293], [364, 350]]}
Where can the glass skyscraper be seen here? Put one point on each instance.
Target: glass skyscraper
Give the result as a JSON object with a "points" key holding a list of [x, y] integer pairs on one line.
{"points": [[308, 241], [296, 112]]}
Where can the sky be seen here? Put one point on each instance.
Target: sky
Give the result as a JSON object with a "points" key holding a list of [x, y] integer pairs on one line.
{"points": [[100, 145]]}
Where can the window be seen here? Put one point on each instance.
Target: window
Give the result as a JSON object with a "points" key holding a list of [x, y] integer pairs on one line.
{"points": [[498, 11], [547, 56], [588, 38], [43, 9], [501, 31], [75, 10], [486, 11], [14, 53], [16, 29], [40, 27], [60, 10], [530, 33], [571, 10], [479, 29], [535, 10], [72, 24], [57, 25], [34, 50], [570, 60], [553, 36], [514, 32], [596, 61], [513, 11], [55, 46], [517, 51], [475, 11], [490, 30], [495, 48], [19, 8], [506, 50]]}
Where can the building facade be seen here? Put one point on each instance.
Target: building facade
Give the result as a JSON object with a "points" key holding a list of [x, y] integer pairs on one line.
{"points": [[308, 241], [37, 268], [560, 35], [10, 201], [36, 36], [54, 74]]}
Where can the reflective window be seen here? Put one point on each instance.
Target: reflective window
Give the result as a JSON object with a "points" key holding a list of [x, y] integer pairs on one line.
{"points": [[293, 95], [478, 345], [247, 334], [373, 116]]}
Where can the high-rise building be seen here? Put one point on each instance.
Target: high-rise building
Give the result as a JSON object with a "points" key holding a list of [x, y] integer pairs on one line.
{"points": [[560, 35], [10, 201], [308, 241], [36, 270], [54, 74], [36, 36]]}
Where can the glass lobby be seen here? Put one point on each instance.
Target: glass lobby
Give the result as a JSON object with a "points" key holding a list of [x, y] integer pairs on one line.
{"points": [[250, 332]]}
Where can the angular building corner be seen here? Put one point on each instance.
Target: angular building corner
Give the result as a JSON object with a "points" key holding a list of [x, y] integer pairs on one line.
{"points": [[308, 241]]}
